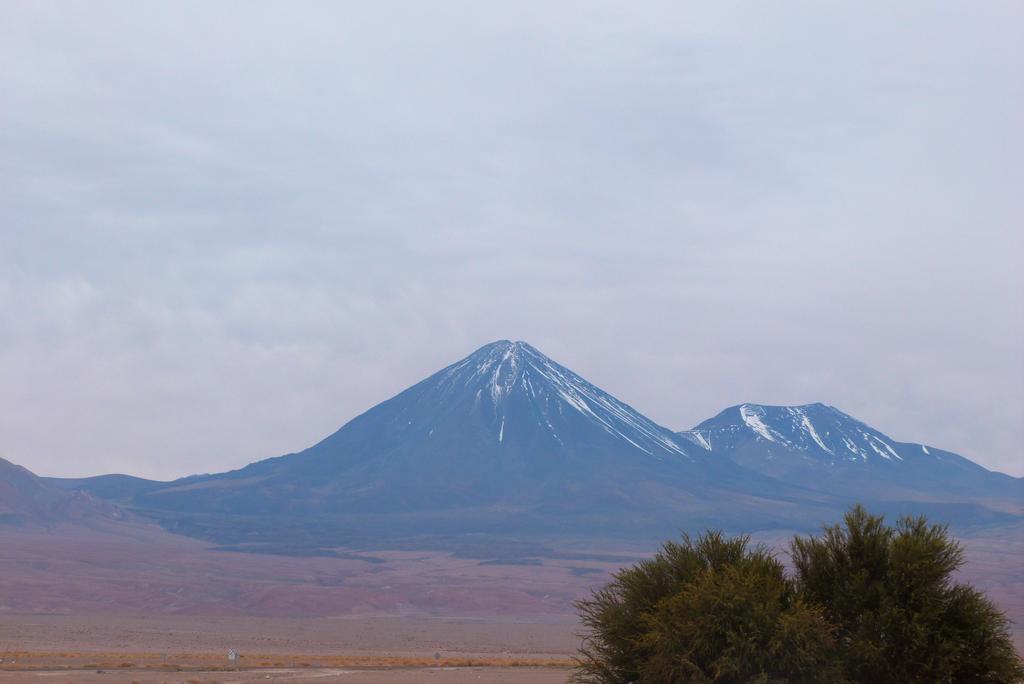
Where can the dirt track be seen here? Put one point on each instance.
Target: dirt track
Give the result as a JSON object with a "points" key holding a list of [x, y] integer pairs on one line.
{"points": [[321, 676], [439, 676]]}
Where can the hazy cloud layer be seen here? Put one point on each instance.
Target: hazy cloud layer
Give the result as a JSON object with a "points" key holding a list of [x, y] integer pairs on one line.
{"points": [[227, 228]]}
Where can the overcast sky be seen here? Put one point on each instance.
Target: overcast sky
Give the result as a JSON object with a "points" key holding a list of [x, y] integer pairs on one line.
{"points": [[228, 228]]}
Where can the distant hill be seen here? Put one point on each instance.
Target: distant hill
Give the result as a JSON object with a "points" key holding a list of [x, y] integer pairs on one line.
{"points": [[28, 500], [506, 444], [115, 487]]}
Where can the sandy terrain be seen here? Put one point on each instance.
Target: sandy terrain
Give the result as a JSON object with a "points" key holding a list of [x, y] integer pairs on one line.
{"points": [[473, 675], [140, 569], [49, 648], [321, 637]]}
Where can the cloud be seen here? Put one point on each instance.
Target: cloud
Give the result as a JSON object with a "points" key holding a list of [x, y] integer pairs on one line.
{"points": [[227, 229]]}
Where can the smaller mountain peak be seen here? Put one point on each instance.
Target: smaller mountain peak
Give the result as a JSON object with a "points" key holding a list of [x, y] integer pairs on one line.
{"points": [[813, 427], [786, 410], [783, 407]]}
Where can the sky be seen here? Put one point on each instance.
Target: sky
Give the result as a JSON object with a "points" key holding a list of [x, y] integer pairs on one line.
{"points": [[228, 228]]}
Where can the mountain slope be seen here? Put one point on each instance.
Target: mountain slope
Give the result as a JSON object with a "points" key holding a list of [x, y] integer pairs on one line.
{"points": [[824, 449]]}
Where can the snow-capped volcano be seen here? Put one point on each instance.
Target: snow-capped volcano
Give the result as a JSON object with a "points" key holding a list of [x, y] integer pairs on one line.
{"points": [[504, 428]]}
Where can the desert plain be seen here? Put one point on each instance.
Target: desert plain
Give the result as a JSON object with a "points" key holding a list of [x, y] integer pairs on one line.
{"points": [[93, 602], [60, 648], [130, 602]]}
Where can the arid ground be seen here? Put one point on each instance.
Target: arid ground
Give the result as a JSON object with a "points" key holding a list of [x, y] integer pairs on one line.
{"points": [[182, 649], [440, 675], [133, 603], [137, 568]]}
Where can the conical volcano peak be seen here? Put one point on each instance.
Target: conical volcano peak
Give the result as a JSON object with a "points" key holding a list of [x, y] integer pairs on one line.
{"points": [[499, 369], [514, 390], [504, 351], [498, 365], [522, 389]]}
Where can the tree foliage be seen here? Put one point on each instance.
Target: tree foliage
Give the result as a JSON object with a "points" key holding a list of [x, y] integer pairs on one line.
{"points": [[900, 617], [866, 603], [707, 610]]}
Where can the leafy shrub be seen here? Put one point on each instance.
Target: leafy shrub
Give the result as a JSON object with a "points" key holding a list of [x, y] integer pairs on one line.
{"points": [[900, 617], [710, 610], [866, 603]]}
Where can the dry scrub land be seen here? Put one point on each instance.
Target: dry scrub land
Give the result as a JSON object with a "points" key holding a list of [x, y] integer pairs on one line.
{"points": [[181, 649]]}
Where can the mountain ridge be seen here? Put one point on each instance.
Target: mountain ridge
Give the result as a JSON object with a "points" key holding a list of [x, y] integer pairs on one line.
{"points": [[507, 442]]}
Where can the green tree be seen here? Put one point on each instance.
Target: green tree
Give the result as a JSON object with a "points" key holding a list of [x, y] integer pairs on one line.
{"points": [[710, 610], [900, 616], [867, 603]]}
